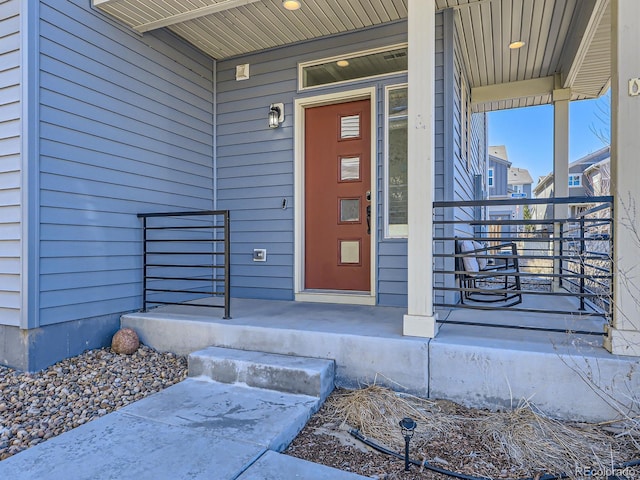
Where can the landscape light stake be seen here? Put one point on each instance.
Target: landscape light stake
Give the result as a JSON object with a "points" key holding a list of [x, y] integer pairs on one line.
{"points": [[408, 426]]}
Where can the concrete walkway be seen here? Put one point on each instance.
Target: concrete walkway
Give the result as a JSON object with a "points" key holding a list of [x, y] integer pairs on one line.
{"points": [[197, 429]]}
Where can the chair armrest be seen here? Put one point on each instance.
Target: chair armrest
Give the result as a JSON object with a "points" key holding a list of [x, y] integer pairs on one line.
{"points": [[510, 259]]}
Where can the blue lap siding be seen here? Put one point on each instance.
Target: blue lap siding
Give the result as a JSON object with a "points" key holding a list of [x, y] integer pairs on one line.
{"points": [[125, 125], [256, 164]]}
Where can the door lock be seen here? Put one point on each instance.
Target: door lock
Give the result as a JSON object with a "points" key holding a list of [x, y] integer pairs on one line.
{"points": [[368, 195]]}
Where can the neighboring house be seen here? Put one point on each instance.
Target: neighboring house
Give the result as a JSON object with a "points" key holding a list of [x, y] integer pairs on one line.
{"points": [[506, 182], [520, 183], [582, 174], [498, 172], [110, 108], [598, 177]]}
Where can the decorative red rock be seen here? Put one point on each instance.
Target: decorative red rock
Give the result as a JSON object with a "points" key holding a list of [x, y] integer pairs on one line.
{"points": [[125, 341]]}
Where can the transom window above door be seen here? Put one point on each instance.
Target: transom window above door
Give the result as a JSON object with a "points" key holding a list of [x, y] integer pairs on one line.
{"points": [[354, 66]]}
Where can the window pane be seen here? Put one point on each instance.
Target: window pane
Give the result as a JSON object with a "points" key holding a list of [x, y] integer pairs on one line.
{"points": [[350, 210], [351, 68], [350, 251], [349, 168], [349, 127], [397, 158]]}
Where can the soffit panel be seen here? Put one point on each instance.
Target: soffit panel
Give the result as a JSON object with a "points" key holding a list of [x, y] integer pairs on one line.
{"points": [[258, 25], [486, 27], [597, 62]]}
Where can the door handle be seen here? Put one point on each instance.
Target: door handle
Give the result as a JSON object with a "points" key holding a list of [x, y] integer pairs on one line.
{"points": [[369, 219]]}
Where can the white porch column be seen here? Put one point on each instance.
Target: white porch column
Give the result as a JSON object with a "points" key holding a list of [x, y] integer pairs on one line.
{"points": [[561, 99], [561, 147], [624, 336], [420, 320]]}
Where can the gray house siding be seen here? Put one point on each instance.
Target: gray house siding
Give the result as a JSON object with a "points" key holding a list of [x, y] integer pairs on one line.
{"points": [[392, 253], [10, 164], [446, 131], [256, 164], [579, 169], [126, 126], [464, 137], [500, 178], [469, 142]]}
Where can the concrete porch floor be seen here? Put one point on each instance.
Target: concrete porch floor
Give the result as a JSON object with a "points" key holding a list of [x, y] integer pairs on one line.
{"points": [[510, 317], [564, 374]]}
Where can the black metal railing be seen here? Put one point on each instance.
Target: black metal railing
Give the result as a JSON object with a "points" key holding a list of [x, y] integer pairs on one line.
{"points": [[564, 251], [186, 259], [586, 248]]}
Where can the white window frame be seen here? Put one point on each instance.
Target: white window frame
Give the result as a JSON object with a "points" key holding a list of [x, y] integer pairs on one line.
{"points": [[399, 230], [490, 177], [335, 58], [575, 177]]}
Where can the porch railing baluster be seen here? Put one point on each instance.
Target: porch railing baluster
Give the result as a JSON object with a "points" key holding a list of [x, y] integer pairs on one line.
{"points": [[181, 252], [578, 258]]}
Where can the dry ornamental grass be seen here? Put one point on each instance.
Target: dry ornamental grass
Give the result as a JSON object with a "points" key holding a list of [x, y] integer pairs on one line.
{"points": [[518, 443]]}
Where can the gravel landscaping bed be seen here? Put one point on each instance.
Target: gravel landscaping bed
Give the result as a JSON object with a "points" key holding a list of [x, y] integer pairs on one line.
{"points": [[37, 406]]}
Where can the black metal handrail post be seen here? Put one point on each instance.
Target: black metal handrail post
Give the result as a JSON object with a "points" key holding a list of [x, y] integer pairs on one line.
{"points": [[560, 252], [612, 261], [227, 262], [144, 263], [582, 260]]}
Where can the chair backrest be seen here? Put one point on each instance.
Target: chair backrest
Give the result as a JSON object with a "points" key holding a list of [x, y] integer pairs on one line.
{"points": [[475, 260]]}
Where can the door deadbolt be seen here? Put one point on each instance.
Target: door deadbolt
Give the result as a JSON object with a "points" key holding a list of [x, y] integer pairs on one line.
{"points": [[368, 195]]}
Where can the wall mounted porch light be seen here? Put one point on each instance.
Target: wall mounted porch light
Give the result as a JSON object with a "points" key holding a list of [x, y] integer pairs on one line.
{"points": [[291, 4], [276, 114]]}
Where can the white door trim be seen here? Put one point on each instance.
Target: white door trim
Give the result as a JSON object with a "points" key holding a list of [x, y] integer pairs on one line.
{"points": [[368, 298]]}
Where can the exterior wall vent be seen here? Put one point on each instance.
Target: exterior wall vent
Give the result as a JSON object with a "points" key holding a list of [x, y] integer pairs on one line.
{"points": [[242, 72]]}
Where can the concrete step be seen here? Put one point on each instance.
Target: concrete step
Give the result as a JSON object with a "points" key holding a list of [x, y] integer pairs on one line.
{"points": [[283, 373]]}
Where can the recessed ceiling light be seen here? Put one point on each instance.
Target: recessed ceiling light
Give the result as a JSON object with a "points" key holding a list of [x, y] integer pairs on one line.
{"points": [[291, 4], [516, 45], [342, 63]]}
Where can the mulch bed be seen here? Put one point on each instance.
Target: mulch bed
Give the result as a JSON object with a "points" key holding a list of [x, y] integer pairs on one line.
{"points": [[520, 443]]}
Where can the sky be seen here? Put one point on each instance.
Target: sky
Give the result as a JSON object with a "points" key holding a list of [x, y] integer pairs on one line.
{"points": [[528, 133]]}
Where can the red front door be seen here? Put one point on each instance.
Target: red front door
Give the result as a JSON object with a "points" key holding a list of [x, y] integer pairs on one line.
{"points": [[338, 197]]}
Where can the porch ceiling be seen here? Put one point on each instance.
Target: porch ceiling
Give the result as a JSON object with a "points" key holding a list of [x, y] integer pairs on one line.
{"points": [[226, 28], [566, 41], [567, 45]]}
